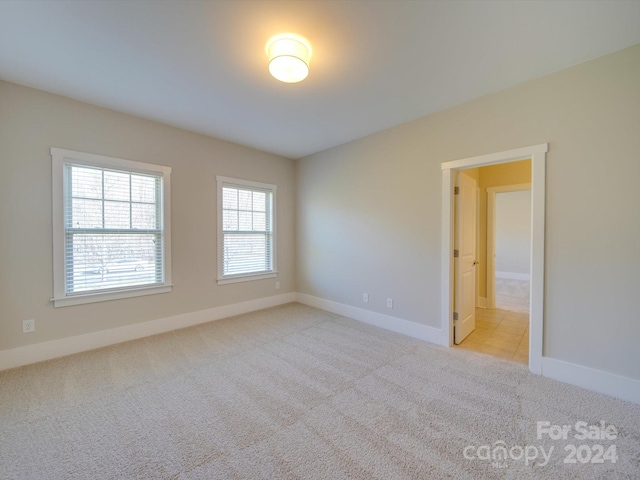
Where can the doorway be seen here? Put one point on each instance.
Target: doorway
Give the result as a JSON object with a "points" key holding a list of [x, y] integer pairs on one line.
{"points": [[537, 155], [509, 247], [500, 261]]}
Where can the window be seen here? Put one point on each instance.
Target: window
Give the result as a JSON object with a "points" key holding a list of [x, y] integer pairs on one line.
{"points": [[246, 230], [111, 230]]}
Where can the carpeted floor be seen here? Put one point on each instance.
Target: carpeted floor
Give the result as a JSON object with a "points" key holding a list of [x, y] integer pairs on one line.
{"points": [[295, 392]]}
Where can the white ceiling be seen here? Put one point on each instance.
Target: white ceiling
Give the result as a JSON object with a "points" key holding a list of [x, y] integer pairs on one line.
{"points": [[201, 65]]}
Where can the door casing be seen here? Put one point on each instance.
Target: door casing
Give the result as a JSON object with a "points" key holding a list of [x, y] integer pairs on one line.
{"points": [[537, 154]]}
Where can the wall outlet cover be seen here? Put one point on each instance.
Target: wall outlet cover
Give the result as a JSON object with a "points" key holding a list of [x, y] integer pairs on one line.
{"points": [[28, 326]]}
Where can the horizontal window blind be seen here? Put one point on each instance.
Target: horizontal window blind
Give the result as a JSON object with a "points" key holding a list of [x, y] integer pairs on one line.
{"points": [[113, 229], [247, 230]]}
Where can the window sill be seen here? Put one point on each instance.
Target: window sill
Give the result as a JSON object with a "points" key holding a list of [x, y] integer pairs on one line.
{"points": [[246, 277], [111, 295]]}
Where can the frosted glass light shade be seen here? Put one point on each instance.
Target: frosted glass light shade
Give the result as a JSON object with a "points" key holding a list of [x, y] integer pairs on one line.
{"points": [[288, 57]]}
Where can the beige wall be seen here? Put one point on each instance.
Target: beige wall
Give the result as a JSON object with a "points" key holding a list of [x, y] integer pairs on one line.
{"points": [[511, 173], [31, 122], [369, 212]]}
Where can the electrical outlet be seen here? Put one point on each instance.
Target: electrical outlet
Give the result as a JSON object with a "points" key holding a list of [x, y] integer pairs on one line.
{"points": [[365, 297], [389, 302], [28, 326], [277, 285]]}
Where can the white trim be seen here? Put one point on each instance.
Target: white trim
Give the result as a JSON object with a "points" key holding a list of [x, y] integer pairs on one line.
{"points": [[227, 279], [523, 153], [398, 325], [102, 161], [536, 293], [537, 154], [59, 158], [246, 277], [596, 380], [39, 352], [107, 296], [611, 384], [478, 299], [240, 182], [513, 276], [447, 264]]}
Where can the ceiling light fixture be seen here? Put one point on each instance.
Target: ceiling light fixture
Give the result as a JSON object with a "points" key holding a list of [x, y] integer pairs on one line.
{"points": [[289, 56]]}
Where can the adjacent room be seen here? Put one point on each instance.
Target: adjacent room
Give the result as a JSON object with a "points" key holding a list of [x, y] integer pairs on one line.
{"points": [[501, 196], [319, 239]]}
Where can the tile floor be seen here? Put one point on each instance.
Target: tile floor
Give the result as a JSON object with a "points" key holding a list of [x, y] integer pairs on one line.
{"points": [[512, 295], [500, 333]]}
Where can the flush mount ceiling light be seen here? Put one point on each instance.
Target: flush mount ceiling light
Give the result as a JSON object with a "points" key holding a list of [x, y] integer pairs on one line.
{"points": [[289, 56]]}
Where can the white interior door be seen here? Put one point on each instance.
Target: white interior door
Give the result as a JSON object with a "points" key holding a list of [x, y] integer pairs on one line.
{"points": [[465, 262]]}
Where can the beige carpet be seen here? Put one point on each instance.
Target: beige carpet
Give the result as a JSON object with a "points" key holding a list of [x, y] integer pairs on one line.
{"points": [[294, 392]]}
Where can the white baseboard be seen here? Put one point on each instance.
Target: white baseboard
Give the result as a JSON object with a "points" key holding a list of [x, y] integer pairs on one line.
{"points": [[39, 352], [514, 276], [608, 383], [482, 302], [611, 384], [398, 325]]}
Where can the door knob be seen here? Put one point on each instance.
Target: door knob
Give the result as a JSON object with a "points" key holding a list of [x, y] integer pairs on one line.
{"points": [[475, 262]]}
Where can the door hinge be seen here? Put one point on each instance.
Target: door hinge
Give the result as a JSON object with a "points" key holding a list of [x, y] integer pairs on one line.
{"points": [[456, 253], [456, 190], [455, 315]]}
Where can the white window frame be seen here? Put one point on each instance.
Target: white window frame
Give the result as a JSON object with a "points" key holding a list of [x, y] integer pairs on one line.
{"points": [[61, 157], [245, 277]]}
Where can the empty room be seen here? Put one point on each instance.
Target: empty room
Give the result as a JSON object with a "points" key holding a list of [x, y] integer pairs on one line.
{"points": [[319, 239]]}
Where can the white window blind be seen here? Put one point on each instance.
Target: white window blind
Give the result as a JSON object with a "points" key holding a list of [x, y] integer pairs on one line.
{"points": [[246, 246], [113, 229], [110, 227]]}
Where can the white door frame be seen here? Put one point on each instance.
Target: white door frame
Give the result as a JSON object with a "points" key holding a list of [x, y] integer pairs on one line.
{"points": [[537, 154], [491, 236]]}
